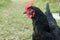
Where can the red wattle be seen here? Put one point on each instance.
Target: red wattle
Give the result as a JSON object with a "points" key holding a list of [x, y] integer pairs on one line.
{"points": [[28, 15]]}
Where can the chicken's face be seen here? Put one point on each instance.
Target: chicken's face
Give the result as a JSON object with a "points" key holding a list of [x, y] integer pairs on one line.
{"points": [[30, 13]]}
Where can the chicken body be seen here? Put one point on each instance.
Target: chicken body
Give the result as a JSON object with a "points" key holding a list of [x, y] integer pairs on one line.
{"points": [[41, 28]]}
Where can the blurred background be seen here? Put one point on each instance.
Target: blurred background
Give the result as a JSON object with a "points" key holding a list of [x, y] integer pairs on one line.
{"points": [[13, 23]]}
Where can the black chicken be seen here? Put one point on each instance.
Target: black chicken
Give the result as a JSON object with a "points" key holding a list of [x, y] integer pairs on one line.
{"points": [[51, 20], [41, 27]]}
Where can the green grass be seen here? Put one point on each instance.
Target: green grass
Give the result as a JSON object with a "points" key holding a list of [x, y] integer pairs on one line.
{"points": [[13, 23], [58, 22], [54, 7], [4, 3]]}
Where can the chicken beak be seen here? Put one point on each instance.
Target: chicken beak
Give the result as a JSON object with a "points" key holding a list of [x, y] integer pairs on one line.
{"points": [[24, 13]]}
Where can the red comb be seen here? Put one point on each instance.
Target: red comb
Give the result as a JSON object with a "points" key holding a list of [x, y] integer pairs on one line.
{"points": [[28, 5]]}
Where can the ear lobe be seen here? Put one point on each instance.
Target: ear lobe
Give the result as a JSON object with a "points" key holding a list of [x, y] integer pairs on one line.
{"points": [[33, 14]]}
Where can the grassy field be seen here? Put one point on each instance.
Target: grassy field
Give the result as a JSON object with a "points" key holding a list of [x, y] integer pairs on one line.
{"points": [[54, 6], [13, 23]]}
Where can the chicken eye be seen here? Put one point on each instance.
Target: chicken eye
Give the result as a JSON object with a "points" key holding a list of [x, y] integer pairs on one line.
{"points": [[29, 9]]}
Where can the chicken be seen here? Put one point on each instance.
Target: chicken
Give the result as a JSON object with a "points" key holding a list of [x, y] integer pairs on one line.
{"points": [[51, 20], [41, 27]]}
